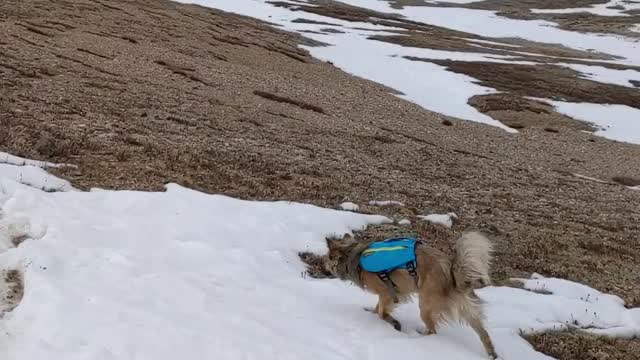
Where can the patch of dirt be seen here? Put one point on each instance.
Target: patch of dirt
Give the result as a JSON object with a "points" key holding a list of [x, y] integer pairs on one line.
{"points": [[282, 99], [12, 290], [520, 113], [576, 345], [544, 81]]}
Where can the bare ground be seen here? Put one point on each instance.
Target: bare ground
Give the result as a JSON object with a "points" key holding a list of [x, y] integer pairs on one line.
{"points": [[578, 345], [11, 289], [140, 93]]}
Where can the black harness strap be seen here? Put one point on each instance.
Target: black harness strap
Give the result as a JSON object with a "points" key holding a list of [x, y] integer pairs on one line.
{"points": [[411, 268], [384, 276]]}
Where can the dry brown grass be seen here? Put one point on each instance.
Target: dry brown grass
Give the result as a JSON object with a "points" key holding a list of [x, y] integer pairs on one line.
{"points": [[15, 290], [543, 81], [578, 345], [286, 100]]}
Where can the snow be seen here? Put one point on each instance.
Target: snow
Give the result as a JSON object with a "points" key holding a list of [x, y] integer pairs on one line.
{"points": [[597, 9], [590, 178], [606, 75], [486, 23], [32, 173], [386, 203], [34, 176], [585, 308], [440, 219], [404, 222], [6, 158], [487, 42], [615, 122], [349, 206], [182, 274], [570, 290]]}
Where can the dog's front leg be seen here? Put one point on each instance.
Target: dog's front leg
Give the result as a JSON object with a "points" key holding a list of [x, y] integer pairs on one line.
{"points": [[384, 308]]}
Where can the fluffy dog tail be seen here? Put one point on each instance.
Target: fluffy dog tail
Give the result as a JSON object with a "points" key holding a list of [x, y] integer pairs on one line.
{"points": [[472, 260], [470, 266]]}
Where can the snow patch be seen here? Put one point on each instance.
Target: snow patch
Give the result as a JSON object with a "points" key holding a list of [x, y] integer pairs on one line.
{"points": [[614, 122], [612, 8], [440, 219], [569, 290], [34, 176], [9, 159], [487, 42], [488, 24], [590, 178], [574, 305], [349, 206], [606, 75], [404, 222]]}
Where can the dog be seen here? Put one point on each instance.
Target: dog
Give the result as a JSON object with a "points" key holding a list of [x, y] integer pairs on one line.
{"points": [[445, 286]]}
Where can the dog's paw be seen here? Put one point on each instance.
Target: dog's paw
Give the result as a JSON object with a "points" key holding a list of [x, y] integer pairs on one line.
{"points": [[426, 332]]}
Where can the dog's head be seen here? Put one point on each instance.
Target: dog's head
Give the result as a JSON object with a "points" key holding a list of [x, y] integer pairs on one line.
{"points": [[340, 251]]}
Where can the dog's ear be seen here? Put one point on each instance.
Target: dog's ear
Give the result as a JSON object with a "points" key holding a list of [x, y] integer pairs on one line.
{"points": [[332, 243], [348, 240]]}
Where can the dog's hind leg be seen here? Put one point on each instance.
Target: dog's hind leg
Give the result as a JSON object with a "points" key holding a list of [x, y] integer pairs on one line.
{"points": [[429, 313], [476, 324], [384, 308]]}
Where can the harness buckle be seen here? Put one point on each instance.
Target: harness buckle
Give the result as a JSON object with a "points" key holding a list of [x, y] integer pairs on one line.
{"points": [[411, 269]]}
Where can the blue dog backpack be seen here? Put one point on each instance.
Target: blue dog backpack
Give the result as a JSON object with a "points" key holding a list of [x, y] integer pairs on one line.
{"points": [[388, 255]]}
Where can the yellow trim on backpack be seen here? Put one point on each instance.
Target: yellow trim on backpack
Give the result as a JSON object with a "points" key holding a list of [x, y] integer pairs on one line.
{"points": [[388, 248]]}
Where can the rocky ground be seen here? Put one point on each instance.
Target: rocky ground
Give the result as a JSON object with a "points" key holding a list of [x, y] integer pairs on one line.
{"points": [[140, 93]]}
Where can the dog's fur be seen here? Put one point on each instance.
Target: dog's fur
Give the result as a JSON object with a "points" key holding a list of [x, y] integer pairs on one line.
{"points": [[444, 286]]}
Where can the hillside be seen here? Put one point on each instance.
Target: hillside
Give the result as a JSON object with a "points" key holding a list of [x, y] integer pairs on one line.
{"points": [[138, 94]]}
